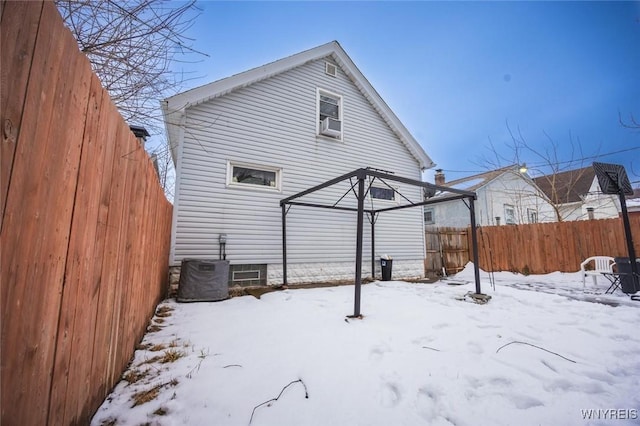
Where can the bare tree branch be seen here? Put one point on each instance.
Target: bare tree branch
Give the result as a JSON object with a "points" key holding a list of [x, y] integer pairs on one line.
{"points": [[131, 46], [556, 176], [631, 123]]}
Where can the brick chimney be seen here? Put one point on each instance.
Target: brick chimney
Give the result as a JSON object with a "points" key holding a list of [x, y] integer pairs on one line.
{"points": [[140, 133], [439, 177]]}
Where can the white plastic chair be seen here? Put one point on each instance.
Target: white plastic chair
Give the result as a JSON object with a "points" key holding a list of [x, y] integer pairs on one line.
{"points": [[601, 264]]}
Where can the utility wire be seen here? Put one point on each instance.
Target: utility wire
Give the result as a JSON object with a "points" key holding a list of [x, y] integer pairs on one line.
{"points": [[575, 160]]}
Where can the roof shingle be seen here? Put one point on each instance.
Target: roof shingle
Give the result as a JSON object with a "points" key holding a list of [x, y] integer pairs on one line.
{"points": [[566, 187]]}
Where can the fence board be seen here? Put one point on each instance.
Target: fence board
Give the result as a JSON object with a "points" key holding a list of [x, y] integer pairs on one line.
{"points": [[74, 331], [87, 203], [20, 22], [433, 261], [105, 233], [127, 160], [68, 125]]}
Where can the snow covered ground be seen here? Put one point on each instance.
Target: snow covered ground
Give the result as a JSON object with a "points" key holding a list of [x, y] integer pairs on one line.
{"points": [[543, 351]]}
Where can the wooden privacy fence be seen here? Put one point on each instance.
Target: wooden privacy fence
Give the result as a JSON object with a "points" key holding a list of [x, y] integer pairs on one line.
{"points": [[84, 230], [542, 248], [538, 248], [447, 250]]}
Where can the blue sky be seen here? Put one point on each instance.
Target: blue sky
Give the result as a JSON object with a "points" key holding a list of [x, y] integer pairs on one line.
{"points": [[456, 73]]}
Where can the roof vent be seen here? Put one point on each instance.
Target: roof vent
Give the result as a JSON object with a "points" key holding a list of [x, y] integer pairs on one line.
{"points": [[330, 69]]}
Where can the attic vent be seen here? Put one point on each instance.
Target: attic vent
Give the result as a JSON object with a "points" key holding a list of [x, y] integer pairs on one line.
{"points": [[330, 69]]}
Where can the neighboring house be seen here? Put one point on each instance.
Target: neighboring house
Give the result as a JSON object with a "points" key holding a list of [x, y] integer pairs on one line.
{"points": [[633, 203], [576, 195], [243, 143], [505, 196]]}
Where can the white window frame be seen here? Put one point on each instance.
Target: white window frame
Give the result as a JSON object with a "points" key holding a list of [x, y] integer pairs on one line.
{"points": [[234, 279], [327, 66], [530, 214], [324, 92], [433, 215], [232, 184], [509, 219]]}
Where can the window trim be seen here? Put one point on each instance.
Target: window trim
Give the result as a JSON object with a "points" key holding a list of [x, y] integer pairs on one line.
{"points": [[393, 200], [231, 184], [327, 65], [506, 216], [325, 92], [234, 279], [529, 214]]}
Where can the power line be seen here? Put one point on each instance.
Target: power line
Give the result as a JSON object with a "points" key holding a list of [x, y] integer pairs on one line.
{"points": [[576, 160]]}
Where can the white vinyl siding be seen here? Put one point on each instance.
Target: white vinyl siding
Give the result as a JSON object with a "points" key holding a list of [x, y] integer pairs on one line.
{"points": [[274, 122]]}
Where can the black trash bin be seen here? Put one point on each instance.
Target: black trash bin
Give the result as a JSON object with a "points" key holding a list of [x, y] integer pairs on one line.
{"points": [[386, 264], [628, 281]]}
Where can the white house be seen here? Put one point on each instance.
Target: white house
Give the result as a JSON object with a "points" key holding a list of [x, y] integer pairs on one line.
{"points": [[577, 195], [243, 143], [505, 196]]}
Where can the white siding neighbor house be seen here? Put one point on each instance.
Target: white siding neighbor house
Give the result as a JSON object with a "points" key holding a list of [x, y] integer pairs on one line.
{"points": [[577, 195], [243, 143], [505, 196]]}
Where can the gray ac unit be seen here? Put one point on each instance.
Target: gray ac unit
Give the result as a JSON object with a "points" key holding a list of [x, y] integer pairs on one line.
{"points": [[203, 280]]}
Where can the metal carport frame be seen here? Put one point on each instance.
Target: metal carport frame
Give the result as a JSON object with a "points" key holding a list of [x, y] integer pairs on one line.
{"points": [[361, 175]]}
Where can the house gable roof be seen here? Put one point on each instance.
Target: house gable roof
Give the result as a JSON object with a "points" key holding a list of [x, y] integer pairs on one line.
{"points": [[475, 182], [174, 107], [566, 187]]}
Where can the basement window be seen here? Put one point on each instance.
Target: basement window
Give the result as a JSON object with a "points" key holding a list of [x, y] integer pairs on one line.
{"points": [[246, 275]]}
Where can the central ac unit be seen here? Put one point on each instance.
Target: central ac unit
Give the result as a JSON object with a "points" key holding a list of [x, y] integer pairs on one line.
{"points": [[331, 127]]}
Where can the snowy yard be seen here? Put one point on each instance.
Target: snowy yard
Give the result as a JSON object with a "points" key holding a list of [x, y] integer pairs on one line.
{"points": [[541, 352]]}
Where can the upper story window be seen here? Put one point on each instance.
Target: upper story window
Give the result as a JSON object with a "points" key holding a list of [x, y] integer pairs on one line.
{"points": [[329, 114], [380, 193], [509, 214], [532, 215], [250, 176]]}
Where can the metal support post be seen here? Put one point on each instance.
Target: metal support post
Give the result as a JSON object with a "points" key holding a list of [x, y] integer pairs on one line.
{"points": [[373, 245], [358, 280], [474, 242], [284, 243], [629, 238]]}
